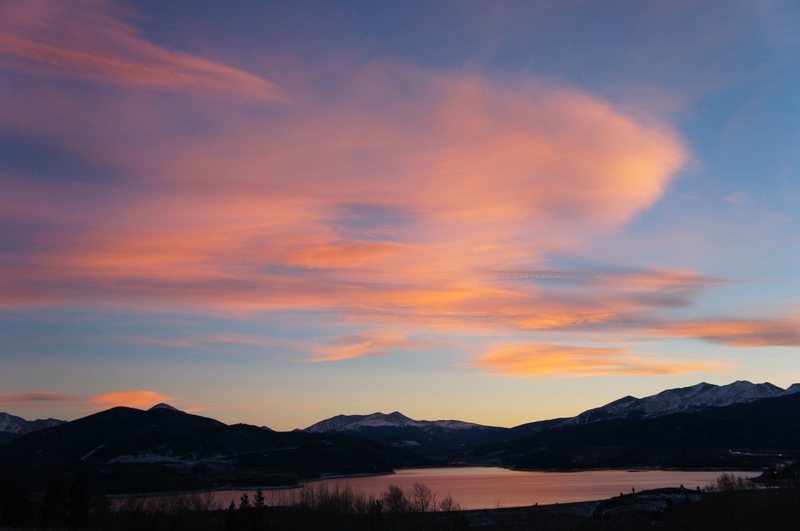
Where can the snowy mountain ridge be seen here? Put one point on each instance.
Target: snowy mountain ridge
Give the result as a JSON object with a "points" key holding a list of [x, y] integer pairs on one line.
{"points": [[385, 420], [681, 400], [162, 405], [18, 425]]}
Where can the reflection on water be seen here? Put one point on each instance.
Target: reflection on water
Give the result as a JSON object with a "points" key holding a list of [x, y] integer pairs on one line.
{"points": [[487, 487]]}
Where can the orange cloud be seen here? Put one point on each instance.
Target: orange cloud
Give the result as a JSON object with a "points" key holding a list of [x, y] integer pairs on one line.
{"points": [[341, 254], [629, 280], [89, 40], [541, 359], [361, 345], [373, 343], [27, 398], [735, 332], [142, 398], [390, 198], [457, 164]]}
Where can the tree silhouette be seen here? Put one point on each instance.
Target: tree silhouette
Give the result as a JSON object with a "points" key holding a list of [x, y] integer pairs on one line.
{"points": [[78, 505], [394, 500], [244, 502], [422, 498], [54, 504], [258, 500], [16, 508]]}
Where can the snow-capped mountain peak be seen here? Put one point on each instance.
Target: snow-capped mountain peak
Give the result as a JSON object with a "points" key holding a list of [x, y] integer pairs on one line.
{"points": [[794, 388], [384, 420], [682, 399], [162, 405], [10, 423], [18, 425]]}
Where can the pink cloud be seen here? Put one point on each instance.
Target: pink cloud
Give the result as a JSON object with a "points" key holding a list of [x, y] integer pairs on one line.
{"points": [[756, 332], [374, 343], [90, 40], [142, 398], [539, 359], [139, 398], [517, 171], [26, 398], [478, 180]]}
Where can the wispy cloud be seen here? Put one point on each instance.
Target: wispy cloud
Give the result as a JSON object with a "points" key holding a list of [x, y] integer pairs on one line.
{"points": [[390, 198], [361, 345], [541, 359], [281, 231], [27, 398], [755, 332], [90, 40], [627, 279], [140, 398], [197, 340], [737, 198]]}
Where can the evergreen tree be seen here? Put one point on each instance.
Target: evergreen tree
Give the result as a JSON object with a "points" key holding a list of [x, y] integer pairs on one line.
{"points": [[230, 517], [100, 510], [16, 508], [259, 501], [78, 505], [54, 504], [244, 502]]}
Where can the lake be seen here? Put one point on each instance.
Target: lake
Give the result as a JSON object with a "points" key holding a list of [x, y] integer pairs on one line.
{"points": [[489, 487]]}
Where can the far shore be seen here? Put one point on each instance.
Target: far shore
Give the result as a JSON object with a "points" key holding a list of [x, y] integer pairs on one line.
{"points": [[300, 485]]}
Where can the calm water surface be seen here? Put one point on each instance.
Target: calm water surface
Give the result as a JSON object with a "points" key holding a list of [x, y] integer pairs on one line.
{"points": [[486, 487]]}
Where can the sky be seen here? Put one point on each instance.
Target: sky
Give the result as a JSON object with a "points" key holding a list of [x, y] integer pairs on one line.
{"points": [[499, 212]]}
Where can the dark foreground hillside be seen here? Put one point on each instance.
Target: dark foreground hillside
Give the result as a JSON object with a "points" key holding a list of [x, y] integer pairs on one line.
{"points": [[750, 435], [125, 450]]}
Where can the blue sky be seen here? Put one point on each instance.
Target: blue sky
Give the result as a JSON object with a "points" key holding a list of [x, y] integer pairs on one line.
{"points": [[274, 212]]}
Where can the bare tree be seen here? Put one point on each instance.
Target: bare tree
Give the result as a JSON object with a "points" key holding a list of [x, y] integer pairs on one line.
{"points": [[394, 500], [448, 504], [421, 498]]}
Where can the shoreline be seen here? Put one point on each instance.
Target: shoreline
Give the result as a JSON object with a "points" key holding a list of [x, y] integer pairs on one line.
{"points": [[300, 485]]}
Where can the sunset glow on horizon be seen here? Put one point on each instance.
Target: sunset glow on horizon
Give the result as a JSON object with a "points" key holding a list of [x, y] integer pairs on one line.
{"points": [[498, 213]]}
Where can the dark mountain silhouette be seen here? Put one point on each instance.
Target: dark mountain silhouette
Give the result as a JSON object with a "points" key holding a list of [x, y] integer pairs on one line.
{"points": [[739, 435], [12, 426], [7, 437], [447, 441], [680, 400], [387, 420], [162, 405], [432, 441], [18, 425], [129, 450]]}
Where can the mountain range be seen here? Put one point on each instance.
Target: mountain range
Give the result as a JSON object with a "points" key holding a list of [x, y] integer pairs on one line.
{"points": [[381, 420], [399, 430], [18, 425], [130, 450], [684, 399], [747, 435], [12, 426]]}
